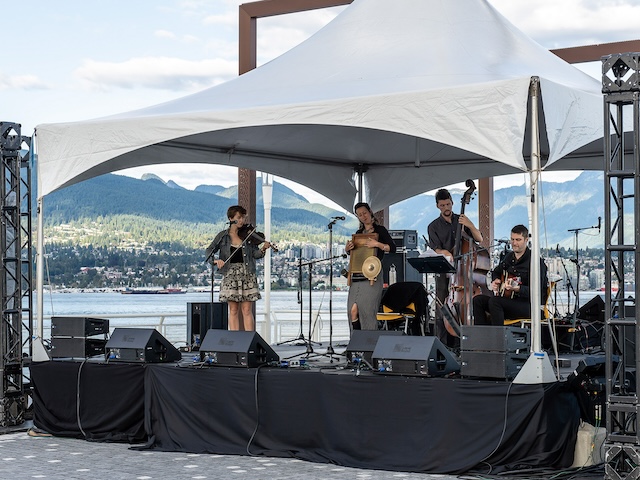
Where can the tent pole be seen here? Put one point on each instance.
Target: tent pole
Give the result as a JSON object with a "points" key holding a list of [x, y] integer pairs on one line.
{"points": [[267, 195], [534, 174], [40, 270], [538, 368]]}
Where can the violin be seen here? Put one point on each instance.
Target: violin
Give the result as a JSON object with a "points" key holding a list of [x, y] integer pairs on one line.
{"points": [[249, 234]]}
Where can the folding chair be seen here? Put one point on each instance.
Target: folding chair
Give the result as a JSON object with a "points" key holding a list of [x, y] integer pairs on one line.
{"points": [[404, 306]]}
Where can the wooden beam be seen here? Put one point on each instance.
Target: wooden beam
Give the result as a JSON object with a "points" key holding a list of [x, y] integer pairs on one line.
{"points": [[593, 53]]}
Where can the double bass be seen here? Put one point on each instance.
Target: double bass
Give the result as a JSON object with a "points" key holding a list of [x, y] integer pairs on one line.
{"points": [[470, 279]]}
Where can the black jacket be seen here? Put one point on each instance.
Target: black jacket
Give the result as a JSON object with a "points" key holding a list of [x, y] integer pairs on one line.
{"points": [[521, 268]]}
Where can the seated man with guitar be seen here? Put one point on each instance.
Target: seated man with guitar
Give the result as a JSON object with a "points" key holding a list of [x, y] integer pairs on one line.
{"points": [[510, 285]]}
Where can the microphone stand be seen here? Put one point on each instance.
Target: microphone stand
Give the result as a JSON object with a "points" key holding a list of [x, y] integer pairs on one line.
{"points": [[309, 350], [300, 336], [330, 350], [576, 261]]}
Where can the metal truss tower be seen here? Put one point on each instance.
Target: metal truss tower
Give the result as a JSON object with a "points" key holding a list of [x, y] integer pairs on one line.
{"points": [[621, 89], [16, 275]]}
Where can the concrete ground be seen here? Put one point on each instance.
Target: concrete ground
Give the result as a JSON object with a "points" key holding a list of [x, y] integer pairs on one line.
{"points": [[25, 457]]}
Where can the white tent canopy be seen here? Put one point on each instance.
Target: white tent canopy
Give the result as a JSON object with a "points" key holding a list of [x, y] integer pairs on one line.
{"points": [[415, 93]]}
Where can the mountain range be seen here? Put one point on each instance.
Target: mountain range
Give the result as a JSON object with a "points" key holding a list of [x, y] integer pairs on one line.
{"points": [[564, 207]]}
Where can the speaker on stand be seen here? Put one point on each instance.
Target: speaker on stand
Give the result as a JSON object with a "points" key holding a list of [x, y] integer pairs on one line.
{"points": [[203, 316]]}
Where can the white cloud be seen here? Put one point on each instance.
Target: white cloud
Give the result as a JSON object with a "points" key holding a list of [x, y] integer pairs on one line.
{"points": [[22, 82], [157, 73], [164, 34]]}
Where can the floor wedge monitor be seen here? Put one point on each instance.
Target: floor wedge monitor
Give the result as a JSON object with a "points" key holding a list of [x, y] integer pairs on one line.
{"points": [[144, 345], [409, 355], [363, 342], [236, 349]]}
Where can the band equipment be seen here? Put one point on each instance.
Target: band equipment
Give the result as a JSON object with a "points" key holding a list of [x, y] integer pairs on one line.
{"points": [[371, 268], [363, 343], [143, 345], [409, 355], [78, 326], [249, 233], [77, 347], [407, 239], [78, 337], [235, 349], [493, 351], [359, 254], [203, 316], [508, 280], [472, 265]]}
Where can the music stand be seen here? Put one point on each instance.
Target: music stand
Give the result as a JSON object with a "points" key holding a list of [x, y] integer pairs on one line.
{"points": [[432, 264]]}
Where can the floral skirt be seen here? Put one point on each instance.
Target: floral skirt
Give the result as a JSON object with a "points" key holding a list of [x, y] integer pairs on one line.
{"points": [[238, 285]]}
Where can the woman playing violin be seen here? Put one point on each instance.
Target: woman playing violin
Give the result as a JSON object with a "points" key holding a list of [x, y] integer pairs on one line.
{"points": [[237, 263]]}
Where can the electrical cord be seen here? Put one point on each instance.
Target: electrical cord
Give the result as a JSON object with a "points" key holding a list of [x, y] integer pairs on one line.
{"points": [[504, 428], [78, 399], [255, 389]]}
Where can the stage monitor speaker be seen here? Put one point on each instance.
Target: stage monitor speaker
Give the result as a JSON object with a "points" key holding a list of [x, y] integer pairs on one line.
{"points": [[409, 355], [77, 347], [363, 343], [490, 338], [593, 310], [501, 365], [236, 349], [78, 326], [144, 345], [407, 239], [404, 271], [203, 316]]}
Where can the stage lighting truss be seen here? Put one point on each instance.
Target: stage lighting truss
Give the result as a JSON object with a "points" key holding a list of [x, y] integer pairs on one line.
{"points": [[15, 241], [621, 88]]}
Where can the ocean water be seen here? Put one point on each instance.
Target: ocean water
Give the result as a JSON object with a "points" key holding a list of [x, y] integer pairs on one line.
{"points": [[168, 313]]}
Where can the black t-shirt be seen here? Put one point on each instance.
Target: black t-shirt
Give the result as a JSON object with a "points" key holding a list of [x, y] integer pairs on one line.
{"points": [[442, 234]]}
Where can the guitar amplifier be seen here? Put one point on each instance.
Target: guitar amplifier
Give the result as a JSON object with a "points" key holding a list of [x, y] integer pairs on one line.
{"points": [[407, 239]]}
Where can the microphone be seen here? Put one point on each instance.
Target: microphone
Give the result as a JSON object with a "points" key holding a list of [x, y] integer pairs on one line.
{"points": [[233, 222], [338, 218], [557, 248], [499, 241], [599, 223]]}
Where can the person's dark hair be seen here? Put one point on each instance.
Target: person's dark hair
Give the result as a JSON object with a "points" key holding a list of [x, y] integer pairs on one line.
{"points": [[366, 205], [521, 230], [443, 194], [232, 210]]}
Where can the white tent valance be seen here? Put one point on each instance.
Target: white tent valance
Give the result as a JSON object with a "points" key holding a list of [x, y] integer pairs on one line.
{"points": [[416, 93]]}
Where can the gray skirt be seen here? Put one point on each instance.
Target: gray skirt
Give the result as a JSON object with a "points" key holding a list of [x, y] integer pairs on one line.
{"points": [[367, 297], [238, 285]]}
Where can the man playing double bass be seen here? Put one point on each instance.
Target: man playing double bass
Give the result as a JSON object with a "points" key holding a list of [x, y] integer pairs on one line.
{"points": [[442, 239], [510, 285]]}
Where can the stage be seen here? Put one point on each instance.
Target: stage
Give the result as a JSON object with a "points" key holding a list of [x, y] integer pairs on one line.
{"points": [[321, 414]]}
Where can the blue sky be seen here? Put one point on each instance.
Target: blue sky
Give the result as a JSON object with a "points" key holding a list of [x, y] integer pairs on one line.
{"points": [[72, 60]]}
